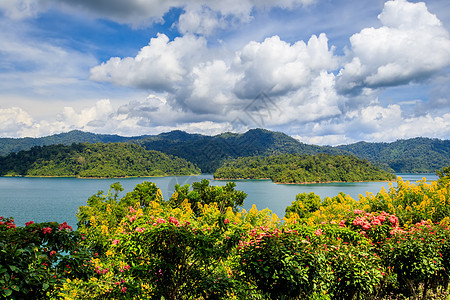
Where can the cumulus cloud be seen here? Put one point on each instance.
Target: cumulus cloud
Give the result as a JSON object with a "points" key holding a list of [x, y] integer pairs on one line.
{"points": [[411, 46], [13, 120], [201, 84], [158, 66], [277, 67], [195, 84]]}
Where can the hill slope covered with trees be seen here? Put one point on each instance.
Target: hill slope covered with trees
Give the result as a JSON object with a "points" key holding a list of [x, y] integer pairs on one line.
{"points": [[209, 152], [94, 160], [295, 168], [417, 155]]}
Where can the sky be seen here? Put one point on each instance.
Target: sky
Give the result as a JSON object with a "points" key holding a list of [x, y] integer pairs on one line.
{"points": [[326, 72]]}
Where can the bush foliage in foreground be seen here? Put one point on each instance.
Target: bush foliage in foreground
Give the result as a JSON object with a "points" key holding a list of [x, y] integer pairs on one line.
{"points": [[143, 247]]}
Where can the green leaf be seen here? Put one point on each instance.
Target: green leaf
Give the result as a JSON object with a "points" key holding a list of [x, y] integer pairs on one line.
{"points": [[7, 292], [13, 268], [16, 288], [45, 286]]}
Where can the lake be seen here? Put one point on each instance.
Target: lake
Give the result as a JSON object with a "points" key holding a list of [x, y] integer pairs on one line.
{"points": [[57, 199]]}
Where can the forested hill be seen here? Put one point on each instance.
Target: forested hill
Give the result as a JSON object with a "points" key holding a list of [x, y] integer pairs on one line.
{"points": [[94, 160], [209, 152], [8, 145], [295, 168], [417, 155]]}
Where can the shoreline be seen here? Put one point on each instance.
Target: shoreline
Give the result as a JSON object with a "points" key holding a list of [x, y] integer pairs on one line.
{"points": [[94, 177], [305, 182]]}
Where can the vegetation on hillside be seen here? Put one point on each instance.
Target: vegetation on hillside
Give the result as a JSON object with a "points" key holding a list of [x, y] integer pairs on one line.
{"points": [[392, 245], [417, 155], [295, 168], [209, 152], [94, 160]]}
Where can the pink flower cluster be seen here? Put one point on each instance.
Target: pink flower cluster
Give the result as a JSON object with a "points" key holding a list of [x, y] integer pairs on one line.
{"points": [[257, 234], [100, 271], [125, 268], [369, 220], [174, 221]]}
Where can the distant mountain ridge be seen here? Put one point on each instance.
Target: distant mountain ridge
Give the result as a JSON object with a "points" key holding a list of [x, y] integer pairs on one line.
{"points": [[209, 152], [415, 155]]}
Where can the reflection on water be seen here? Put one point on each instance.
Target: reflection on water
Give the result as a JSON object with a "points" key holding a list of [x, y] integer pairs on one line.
{"points": [[57, 199]]}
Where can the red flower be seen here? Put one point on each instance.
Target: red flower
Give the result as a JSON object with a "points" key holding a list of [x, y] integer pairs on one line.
{"points": [[46, 230], [64, 226], [29, 223], [226, 221]]}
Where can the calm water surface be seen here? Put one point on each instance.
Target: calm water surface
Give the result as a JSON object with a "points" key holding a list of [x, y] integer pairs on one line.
{"points": [[57, 199]]}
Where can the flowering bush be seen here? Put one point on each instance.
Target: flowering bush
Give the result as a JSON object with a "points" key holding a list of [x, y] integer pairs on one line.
{"points": [[416, 258], [282, 264], [412, 203], [142, 247], [35, 259], [375, 226]]}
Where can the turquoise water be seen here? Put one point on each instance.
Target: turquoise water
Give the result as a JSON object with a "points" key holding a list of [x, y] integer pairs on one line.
{"points": [[57, 199]]}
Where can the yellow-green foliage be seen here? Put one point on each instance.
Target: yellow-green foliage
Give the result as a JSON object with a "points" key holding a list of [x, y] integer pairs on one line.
{"points": [[140, 234], [413, 202], [410, 202]]}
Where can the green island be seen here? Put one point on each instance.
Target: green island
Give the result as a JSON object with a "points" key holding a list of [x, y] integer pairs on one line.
{"points": [[296, 168], [94, 160], [199, 244]]}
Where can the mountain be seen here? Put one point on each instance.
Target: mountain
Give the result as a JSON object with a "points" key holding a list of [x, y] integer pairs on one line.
{"points": [[8, 145], [416, 155], [209, 152], [94, 160]]}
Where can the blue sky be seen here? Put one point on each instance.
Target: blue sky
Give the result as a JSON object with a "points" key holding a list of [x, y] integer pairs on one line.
{"points": [[322, 71]]}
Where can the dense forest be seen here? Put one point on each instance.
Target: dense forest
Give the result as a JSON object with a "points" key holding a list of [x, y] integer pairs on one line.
{"points": [[94, 160], [296, 168], [417, 155], [209, 152]]}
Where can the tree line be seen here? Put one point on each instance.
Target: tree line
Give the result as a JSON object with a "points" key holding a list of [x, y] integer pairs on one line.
{"points": [[296, 168]]}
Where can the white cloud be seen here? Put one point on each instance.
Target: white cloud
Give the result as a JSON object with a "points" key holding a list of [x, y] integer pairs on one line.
{"points": [[13, 120], [158, 66], [94, 116], [200, 85], [276, 67], [143, 13], [219, 89], [202, 21], [19, 9], [411, 45], [374, 123]]}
